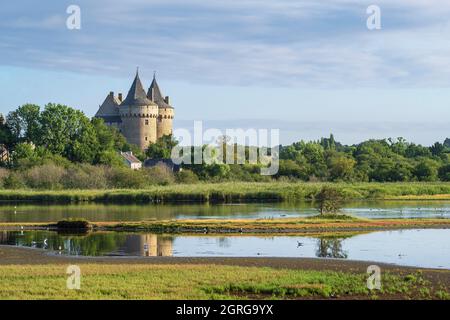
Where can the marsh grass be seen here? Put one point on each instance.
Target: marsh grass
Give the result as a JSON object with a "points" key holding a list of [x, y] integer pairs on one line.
{"points": [[139, 281], [331, 223], [233, 192]]}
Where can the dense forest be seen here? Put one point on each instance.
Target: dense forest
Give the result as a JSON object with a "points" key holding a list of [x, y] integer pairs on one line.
{"points": [[59, 147]]}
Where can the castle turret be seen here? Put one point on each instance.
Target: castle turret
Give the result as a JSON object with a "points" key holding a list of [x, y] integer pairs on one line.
{"points": [[142, 118], [165, 110], [139, 115]]}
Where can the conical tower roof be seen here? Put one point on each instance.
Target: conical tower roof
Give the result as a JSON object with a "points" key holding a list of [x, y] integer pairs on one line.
{"points": [[136, 96], [154, 94]]}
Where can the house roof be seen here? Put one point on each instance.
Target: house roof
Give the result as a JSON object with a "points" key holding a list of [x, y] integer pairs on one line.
{"points": [[136, 95], [130, 157], [154, 93]]}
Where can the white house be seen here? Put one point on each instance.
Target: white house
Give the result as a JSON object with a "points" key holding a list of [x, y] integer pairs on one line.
{"points": [[131, 161]]}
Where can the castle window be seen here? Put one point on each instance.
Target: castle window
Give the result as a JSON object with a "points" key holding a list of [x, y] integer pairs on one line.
{"points": [[146, 139], [146, 122]]}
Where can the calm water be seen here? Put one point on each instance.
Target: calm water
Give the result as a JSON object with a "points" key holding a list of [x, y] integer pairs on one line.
{"points": [[418, 247], [95, 212]]}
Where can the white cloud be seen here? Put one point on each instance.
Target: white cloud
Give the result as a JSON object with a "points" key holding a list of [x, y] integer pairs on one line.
{"points": [[245, 42]]}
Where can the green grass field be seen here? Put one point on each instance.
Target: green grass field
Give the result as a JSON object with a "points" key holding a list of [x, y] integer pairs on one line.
{"points": [[137, 281], [234, 192]]}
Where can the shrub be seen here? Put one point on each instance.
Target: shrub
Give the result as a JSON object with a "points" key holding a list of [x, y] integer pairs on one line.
{"points": [[14, 181], [186, 176], [85, 177], [125, 178], [47, 176], [77, 224], [3, 175], [329, 200], [160, 174]]}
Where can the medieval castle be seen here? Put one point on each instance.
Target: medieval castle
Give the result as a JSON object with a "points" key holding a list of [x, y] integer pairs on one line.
{"points": [[142, 117]]}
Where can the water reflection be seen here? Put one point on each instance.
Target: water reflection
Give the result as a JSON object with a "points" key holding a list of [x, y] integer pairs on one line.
{"points": [[417, 247], [148, 245], [99, 212], [330, 248], [94, 244]]}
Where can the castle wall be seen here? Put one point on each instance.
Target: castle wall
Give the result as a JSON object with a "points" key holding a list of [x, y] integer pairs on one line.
{"points": [[139, 124], [165, 122]]}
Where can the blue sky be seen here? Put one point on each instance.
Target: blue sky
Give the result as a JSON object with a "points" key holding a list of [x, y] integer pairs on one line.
{"points": [[306, 67]]}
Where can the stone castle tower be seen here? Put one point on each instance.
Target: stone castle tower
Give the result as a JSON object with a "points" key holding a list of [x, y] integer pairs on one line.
{"points": [[142, 117]]}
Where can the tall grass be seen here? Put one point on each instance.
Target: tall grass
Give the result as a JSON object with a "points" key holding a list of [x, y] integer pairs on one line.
{"points": [[228, 192]]}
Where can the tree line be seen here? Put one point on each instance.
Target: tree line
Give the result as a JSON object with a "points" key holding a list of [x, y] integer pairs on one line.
{"points": [[62, 137]]}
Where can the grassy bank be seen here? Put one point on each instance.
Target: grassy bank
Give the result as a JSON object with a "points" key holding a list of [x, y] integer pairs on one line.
{"points": [[273, 226], [317, 225], [140, 281], [233, 192]]}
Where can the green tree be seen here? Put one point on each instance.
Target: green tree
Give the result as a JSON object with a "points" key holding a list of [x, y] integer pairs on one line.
{"points": [[162, 148], [24, 155], [399, 146], [290, 168], [68, 132], [437, 149], [444, 172], [24, 123], [341, 167], [328, 143], [329, 200], [414, 151], [6, 137], [447, 143], [426, 170]]}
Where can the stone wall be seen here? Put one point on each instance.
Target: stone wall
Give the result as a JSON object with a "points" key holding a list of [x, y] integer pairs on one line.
{"points": [[139, 124], [165, 122]]}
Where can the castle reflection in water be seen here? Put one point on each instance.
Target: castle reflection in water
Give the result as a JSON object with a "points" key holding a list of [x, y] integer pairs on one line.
{"points": [[115, 244], [148, 245]]}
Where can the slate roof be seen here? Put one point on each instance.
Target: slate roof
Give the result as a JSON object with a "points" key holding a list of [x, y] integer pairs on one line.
{"points": [[154, 94], [130, 157], [136, 96], [109, 109]]}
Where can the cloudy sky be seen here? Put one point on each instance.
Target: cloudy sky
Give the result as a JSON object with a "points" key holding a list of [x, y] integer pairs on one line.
{"points": [[308, 67]]}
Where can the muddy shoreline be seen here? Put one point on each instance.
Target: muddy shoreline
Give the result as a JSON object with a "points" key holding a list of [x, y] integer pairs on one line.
{"points": [[10, 255]]}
